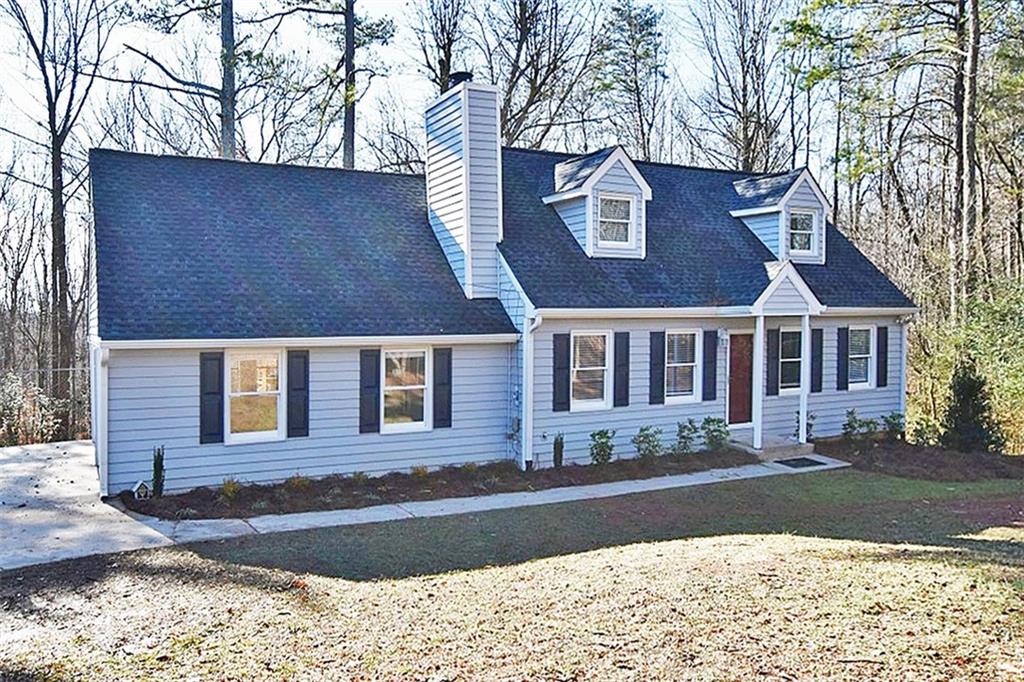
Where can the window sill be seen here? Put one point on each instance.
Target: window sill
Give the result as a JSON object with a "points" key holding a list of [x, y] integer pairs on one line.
{"points": [[252, 438], [681, 399], [411, 427], [789, 391], [866, 386], [589, 406]]}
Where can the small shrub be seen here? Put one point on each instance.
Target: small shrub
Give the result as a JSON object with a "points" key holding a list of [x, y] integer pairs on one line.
{"points": [[715, 431], [925, 432], [558, 451], [186, 513], [686, 436], [856, 428], [602, 446], [894, 427], [810, 425], [969, 424], [359, 477], [158, 471], [647, 442], [230, 488], [297, 484], [419, 472], [260, 506], [470, 467]]}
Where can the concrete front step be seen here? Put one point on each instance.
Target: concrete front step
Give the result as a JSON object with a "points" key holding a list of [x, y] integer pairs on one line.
{"points": [[775, 450]]}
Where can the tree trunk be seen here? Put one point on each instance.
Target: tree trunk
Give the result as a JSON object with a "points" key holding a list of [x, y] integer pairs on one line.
{"points": [[60, 334], [227, 85], [970, 149], [955, 258], [349, 151]]}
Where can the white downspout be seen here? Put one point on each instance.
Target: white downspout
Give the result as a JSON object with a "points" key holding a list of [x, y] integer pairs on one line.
{"points": [[757, 399], [100, 419], [526, 450], [805, 373]]}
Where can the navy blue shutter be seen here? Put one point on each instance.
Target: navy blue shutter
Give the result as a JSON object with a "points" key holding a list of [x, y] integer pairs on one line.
{"points": [[211, 397], [369, 390], [709, 379], [883, 357], [842, 358], [657, 392], [442, 388], [817, 350], [621, 390], [773, 362], [560, 392], [298, 393]]}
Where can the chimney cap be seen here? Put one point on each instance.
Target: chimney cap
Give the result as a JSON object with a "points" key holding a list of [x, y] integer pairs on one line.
{"points": [[457, 77]]}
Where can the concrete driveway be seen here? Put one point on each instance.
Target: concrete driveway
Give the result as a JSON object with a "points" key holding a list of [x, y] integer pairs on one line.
{"points": [[50, 508]]}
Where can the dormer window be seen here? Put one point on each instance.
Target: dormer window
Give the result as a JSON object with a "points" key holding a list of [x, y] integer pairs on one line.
{"points": [[801, 232], [615, 224]]}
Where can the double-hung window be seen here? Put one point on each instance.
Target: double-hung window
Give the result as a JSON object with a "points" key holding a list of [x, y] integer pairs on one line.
{"points": [[859, 356], [255, 403], [801, 231], [789, 360], [406, 377], [615, 220], [682, 358], [590, 375]]}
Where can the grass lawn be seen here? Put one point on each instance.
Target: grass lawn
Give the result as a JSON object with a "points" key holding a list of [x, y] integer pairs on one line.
{"points": [[844, 575]]}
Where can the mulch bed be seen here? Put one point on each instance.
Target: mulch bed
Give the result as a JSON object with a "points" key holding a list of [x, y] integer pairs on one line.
{"points": [[899, 458], [300, 494]]}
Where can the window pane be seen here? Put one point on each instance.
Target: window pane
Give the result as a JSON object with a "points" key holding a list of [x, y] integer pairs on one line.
{"points": [[614, 232], [860, 342], [801, 222], [253, 372], [681, 348], [589, 351], [858, 370], [800, 241], [253, 413], [405, 369], [588, 384], [615, 209], [789, 374], [402, 406], [679, 381], [790, 345]]}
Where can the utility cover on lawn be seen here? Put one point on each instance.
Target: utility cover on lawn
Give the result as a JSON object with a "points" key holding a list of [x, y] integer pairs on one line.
{"points": [[800, 462]]}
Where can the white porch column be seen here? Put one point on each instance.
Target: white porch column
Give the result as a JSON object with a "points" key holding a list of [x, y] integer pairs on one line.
{"points": [[805, 373], [757, 396]]}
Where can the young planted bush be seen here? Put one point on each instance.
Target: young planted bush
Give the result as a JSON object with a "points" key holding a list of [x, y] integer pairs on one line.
{"points": [[558, 451], [716, 433], [230, 488], [810, 425], [158, 471], [894, 426], [647, 442], [602, 446], [686, 436], [969, 424]]}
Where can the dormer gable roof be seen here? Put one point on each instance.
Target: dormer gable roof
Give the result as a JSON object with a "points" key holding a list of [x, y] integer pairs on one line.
{"points": [[577, 175], [768, 193]]}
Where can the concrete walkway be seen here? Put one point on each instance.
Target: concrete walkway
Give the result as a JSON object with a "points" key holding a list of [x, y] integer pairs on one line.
{"points": [[49, 507]]}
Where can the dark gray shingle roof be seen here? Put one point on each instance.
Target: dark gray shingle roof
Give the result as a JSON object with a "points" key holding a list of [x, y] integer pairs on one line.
{"points": [[762, 190], [697, 254], [571, 173], [204, 248]]}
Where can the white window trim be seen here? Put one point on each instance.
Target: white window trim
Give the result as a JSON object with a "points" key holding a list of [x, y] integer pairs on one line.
{"points": [[428, 391], [791, 390], [698, 352], [630, 243], [872, 364], [590, 405], [814, 232], [282, 400]]}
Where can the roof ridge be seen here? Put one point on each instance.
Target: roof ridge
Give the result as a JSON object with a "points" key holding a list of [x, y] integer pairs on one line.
{"points": [[243, 162], [570, 155]]}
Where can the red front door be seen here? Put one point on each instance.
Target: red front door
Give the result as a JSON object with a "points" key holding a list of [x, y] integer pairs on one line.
{"points": [[741, 361]]}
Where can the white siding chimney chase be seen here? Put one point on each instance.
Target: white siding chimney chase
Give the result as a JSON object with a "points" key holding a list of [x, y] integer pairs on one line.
{"points": [[464, 183]]}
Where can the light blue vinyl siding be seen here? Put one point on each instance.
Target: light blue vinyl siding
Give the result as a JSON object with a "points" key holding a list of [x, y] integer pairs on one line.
{"points": [[577, 426], [154, 400], [618, 180], [574, 214], [515, 307], [484, 190], [446, 182], [786, 300], [829, 407], [766, 228]]}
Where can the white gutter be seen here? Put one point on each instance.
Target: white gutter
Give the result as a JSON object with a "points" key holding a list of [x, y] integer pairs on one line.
{"points": [[526, 433], [314, 341]]}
